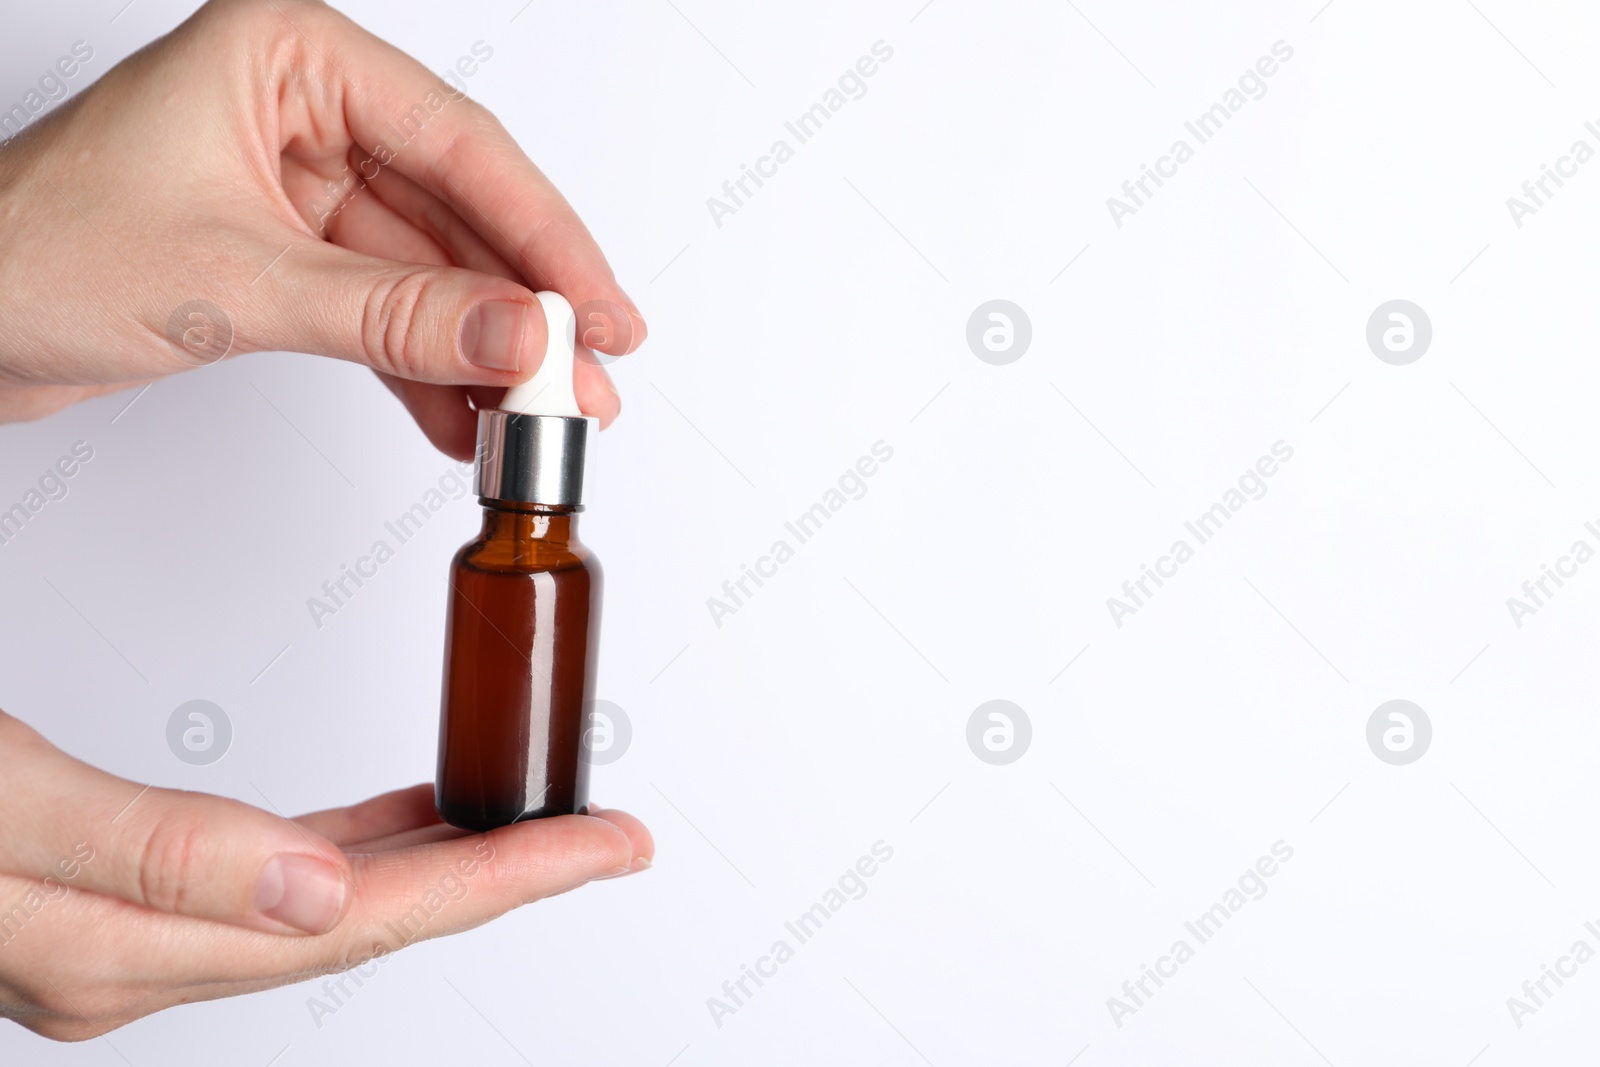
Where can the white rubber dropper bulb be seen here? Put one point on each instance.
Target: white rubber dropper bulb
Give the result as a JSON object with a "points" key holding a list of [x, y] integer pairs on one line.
{"points": [[549, 392]]}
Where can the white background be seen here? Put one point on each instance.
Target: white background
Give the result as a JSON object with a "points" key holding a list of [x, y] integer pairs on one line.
{"points": [[830, 712]]}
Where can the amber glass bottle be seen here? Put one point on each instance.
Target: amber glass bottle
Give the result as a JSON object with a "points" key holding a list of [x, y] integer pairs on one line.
{"points": [[524, 616]]}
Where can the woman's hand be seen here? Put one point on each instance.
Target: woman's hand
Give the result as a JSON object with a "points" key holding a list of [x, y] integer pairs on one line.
{"points": [[118, 900], [271, 176]]}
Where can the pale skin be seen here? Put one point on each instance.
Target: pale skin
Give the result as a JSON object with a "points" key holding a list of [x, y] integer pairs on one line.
{"points": [[198, 169]]}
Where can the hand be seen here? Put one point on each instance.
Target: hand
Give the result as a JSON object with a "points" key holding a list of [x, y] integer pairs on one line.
{"points": [[199, 169], [118, 900]]}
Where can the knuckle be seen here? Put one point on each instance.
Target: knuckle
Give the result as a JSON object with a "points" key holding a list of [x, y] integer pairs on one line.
{"points": [[174, 857], [391, 331]]}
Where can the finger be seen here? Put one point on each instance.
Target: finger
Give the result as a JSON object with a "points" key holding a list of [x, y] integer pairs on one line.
{"points": [[423, 314], [145, 960], [425, 835], [596, 396], [480, 876], [442, 412], [644, 845], [484, 397], [438, 221], [402, 221], [463, 156], [402, 896], [367, 224], [388, 813], [184, 853], [422, 322]]}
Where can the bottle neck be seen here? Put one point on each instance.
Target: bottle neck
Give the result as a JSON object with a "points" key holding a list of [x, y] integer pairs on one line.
{"points": [[529, 522]]}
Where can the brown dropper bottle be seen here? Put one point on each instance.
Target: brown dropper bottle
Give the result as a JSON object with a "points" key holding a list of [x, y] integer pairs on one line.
{"points": [[524, 613]]}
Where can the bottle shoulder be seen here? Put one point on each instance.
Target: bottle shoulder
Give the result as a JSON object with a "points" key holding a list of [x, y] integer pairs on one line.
{"points": [[508, 555]]}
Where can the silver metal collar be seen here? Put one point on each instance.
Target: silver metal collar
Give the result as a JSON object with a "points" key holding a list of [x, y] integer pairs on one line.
{"points": [[530, 459]]}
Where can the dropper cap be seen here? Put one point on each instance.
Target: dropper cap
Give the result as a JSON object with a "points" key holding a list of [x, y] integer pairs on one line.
{"points": [[530, 451]]}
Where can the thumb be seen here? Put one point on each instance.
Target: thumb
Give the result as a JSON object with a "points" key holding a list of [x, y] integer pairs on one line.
{"points": [[421, 322], [69, 825]]}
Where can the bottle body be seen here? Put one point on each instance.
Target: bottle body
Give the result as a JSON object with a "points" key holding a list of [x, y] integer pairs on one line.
{"points": [[520, 638]]}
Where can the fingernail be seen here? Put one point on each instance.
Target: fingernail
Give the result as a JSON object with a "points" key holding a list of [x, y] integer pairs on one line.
{"points": [[491, 335], [301, 892]]}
